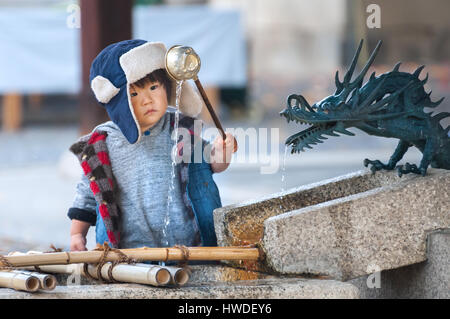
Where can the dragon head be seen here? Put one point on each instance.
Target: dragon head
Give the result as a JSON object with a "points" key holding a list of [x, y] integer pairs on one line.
{"points": [[347, 107]]}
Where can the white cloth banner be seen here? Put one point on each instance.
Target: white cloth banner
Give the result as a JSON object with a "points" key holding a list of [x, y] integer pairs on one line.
{"points": [[40, 53]]}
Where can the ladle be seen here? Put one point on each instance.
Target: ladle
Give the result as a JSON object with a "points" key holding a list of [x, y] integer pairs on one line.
{"points": [[183, 63]]}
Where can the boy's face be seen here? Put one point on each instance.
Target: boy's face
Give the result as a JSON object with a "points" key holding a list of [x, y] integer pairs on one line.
{"points": [[149, 103]]}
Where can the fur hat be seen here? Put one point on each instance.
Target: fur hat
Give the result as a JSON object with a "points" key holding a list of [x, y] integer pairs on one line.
{"points": [[123, 63]]}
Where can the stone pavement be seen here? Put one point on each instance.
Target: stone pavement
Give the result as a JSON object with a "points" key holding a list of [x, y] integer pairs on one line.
{"points": [[206, 282], [282, 288]]}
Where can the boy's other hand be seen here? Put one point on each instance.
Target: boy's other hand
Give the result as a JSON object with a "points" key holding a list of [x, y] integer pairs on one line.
{"points": [[78, 232], [77, 242]]}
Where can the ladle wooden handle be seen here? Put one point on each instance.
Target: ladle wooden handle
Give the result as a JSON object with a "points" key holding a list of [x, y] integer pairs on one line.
{"points": [[209, 106], [211, 111]]}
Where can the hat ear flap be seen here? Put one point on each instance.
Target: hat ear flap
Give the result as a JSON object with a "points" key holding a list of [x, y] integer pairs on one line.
{"points": [[103, 89], [191, 102]]}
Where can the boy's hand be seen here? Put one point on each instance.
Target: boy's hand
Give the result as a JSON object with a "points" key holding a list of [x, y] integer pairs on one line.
{"points": [[221, 152], [78, 232], [223, 149], [77, 242]]}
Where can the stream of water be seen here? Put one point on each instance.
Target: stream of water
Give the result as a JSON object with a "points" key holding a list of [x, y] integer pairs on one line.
{"points": [[173, 169], [283, 170], [283, 175]]}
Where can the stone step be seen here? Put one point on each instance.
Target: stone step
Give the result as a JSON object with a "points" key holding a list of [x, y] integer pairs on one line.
{"points": [[285, 288], [205, 282], [426, 280], [344, 227]]}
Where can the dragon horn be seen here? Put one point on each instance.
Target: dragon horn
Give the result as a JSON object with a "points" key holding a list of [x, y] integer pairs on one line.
{"points": [[418, 70], [350, 71], [397, 67], [348, 86], [361, 75], [339, 85], [433, 104], [440, 116]]}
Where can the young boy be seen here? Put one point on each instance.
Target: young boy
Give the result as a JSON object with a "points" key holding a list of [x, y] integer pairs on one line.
{"points": [[126, 187]]}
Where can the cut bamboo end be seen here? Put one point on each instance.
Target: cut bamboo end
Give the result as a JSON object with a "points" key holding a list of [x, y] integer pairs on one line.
{"points": [[46, 281], [49, 283], [173, 275], [162, 277], [31, 284], [19, 281], [179, 275]]}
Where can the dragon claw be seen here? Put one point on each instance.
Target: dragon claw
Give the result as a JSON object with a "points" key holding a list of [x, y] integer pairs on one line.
{"points": [[375, 165], [373, 169], [410, 168], [366, 162]]}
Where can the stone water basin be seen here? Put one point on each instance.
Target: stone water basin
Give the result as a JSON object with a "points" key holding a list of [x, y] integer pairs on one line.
{"points": [[344, 227]]}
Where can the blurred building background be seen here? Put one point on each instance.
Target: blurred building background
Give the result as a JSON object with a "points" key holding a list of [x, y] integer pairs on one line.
{"points": [[254, 54]]}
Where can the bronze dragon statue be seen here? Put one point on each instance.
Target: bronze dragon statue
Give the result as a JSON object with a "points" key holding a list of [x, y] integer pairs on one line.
{"points": [[389, 105]]}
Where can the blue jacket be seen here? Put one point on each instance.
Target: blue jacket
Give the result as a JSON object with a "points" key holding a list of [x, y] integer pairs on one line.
{"points": [[198, 184]]}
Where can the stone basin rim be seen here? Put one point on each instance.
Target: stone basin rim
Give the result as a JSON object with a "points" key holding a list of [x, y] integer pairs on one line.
{"points": [[310, 186]]}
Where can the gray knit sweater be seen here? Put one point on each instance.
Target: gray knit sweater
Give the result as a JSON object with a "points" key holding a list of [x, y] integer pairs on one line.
{"points": [[143, 174]]}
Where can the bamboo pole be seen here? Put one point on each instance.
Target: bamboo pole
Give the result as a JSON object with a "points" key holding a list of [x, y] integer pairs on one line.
{"points": [[143, 254], [59, 269], [18, 281], [152, 275], [146, 274], [177, 276]]}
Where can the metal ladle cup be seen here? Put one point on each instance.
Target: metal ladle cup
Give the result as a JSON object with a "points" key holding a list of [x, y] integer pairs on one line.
{"points": [[183, 63]]}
